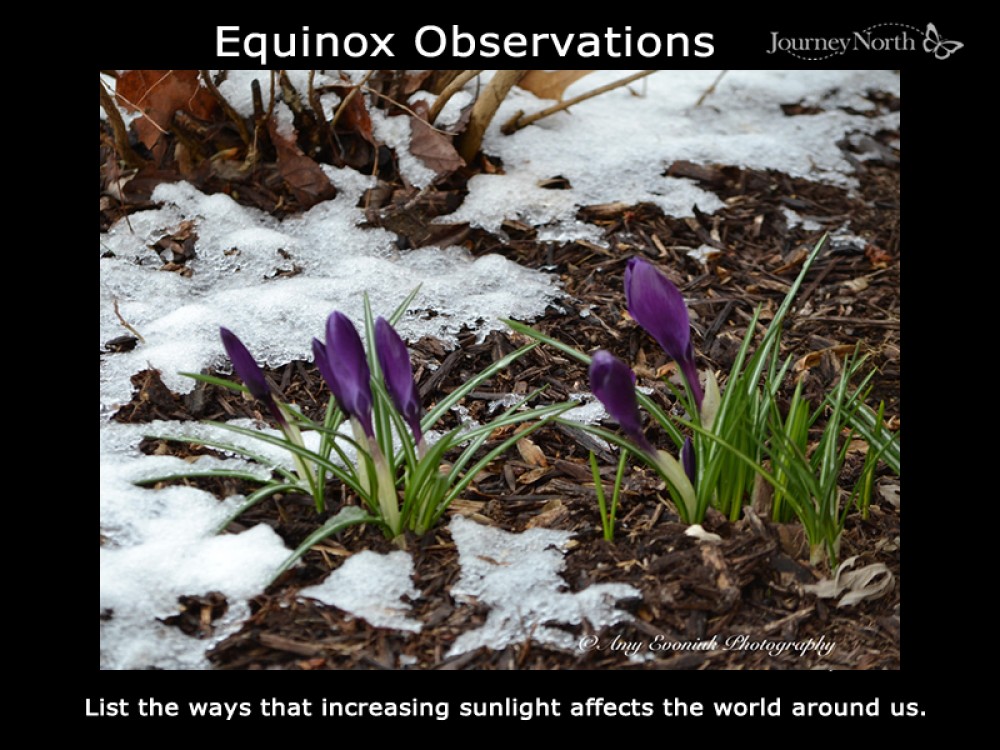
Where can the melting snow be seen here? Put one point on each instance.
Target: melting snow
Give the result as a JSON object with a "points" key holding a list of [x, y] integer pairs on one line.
{"points": [[517, 576], [371, 586], [617, 146], [159, 545]]}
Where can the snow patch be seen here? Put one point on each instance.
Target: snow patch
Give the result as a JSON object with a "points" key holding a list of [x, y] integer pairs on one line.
{"points": [[517, 576], [617, 146], [274, 283], [371, 586], [590, 410]]}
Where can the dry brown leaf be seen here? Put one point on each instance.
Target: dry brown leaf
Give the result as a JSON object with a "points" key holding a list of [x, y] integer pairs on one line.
{"points": [[890, 493], [870, 582], [414, 80], [551, 512], [794, 261], [550, 84], [531, 453], [466, 507], [857, 285], [308, 183], [812, 359], [878, 257], [858, 446], [158, 94], [431, 146], [355, 117]]}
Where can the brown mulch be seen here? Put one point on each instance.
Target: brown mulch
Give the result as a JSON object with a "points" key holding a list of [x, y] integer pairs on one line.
{"points": [[749, 586]]}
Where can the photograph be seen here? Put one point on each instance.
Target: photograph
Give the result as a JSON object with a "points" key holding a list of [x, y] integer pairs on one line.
{"points": [[549, 370]]}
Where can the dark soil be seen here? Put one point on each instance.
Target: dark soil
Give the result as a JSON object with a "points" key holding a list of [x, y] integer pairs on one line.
{"points": [[747, 587]]}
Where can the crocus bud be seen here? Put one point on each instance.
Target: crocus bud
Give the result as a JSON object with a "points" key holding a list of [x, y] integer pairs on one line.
{"points": [[658, 306], [323, 364], [245, 366], [397, 371], [687, 460], [613, 382], [346, 370]]}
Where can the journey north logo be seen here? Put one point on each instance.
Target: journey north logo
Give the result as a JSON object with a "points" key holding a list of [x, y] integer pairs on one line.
{"points": [[882, 37]]}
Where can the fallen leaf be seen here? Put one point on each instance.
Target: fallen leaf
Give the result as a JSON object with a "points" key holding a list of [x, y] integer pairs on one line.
{"points": [[414, 80], [794, 261], [857, 285], [158, 94], [870, 582], [431, 146], [878, 257], [858, 446], [890, 493], [812, 359], [550, 84], [531, 453], [308, 183], [309, 664], [355, 117], [887, 545], [177, 246], [466, 507], [551, 512]]}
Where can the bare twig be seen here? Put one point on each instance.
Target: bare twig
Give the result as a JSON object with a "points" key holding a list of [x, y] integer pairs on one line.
{"points": [[126, 324], [403, 107], [711, 89], [483, 111], [232, 114], [350, 95], [519, 120], [128, 155], [137, 105], [449, 91], [270, 102]]}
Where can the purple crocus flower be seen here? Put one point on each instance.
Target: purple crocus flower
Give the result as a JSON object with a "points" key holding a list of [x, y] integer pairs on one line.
{"points": [[343, 365], [252, 376], [657, 305], [687, 460], [398, 374], [323, 364], [613, 382]]}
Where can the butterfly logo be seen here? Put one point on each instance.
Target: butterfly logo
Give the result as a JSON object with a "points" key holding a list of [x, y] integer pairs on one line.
{"points": [[941, 48]]}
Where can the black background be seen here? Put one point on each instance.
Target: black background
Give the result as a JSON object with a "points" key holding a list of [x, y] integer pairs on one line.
{"points": [[948, 136]]}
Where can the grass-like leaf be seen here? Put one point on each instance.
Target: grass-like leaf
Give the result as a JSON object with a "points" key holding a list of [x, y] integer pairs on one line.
{"points": [[215, 380], [442, 406], [348, 516]]}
